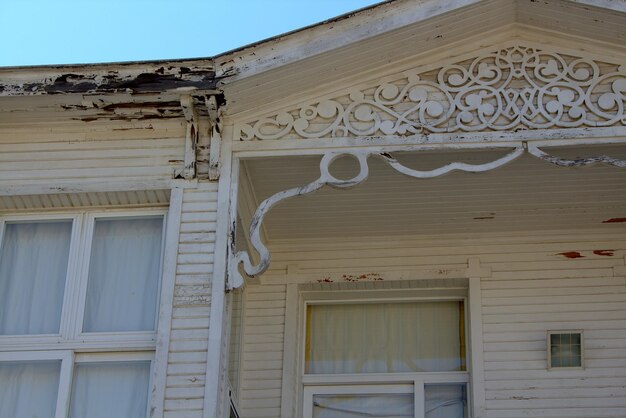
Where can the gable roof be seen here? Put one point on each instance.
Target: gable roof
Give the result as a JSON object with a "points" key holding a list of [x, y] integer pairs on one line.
{"points": [[400, 30]]}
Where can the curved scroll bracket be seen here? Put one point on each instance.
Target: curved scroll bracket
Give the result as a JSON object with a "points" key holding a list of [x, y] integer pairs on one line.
{"points": [[327, 179]]}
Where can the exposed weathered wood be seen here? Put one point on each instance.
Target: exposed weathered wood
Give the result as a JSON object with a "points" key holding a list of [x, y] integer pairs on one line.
{"points": [[191, 138], [136, 78], [215, 114], [579, 162]]}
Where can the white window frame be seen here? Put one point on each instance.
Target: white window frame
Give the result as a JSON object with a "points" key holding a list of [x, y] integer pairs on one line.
{"points": [[70, 334], [355, 389], [69, 359], [582, 349], [313, 384], [71, 345]]}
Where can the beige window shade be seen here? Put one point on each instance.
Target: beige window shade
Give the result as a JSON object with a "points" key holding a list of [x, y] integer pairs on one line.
{"points": [[385, 337]]}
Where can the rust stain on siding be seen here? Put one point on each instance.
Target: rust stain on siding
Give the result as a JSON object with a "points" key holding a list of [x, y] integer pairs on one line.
{"points": [[571, 254], [614, 220]]}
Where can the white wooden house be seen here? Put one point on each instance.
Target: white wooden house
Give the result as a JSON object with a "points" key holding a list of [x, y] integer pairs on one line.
{"points": [[417, 209]]}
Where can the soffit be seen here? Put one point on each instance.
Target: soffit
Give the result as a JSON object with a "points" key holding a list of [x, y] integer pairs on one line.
{"points": [[373, 56], [525, 195]]}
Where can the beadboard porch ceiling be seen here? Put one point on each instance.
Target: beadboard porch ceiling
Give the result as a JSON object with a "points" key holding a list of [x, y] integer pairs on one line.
{"points": [[525, 195]]}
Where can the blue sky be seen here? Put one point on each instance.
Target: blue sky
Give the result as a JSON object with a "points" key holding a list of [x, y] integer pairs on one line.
{"points": [[37, 32]]}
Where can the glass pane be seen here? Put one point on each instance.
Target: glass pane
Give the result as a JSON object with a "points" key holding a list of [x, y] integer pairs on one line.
{"points": [[385, 337], [124, 272], [29, 390], [565, 350], [110, 390], [33, 267], [445, 401], [355, 406]]}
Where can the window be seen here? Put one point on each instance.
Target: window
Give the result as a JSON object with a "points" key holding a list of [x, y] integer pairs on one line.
{"points": [[78, 309], [565, 349], [382, 357]]}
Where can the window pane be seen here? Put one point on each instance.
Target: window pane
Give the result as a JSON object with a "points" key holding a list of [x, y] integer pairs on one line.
{"points": [[358, 406], [123, 275], [384, 337], [110, 390], [33, 267], [29, 390], [565, 350], [445, 401]]}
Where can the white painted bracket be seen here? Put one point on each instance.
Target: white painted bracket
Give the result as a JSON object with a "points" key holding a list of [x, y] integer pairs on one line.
{"points": [[236, 280], [188, 171], [327, 179], [216, 137]]}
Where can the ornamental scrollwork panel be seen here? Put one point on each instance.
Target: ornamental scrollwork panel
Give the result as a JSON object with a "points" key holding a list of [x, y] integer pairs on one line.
{"points": [[518, 87]]}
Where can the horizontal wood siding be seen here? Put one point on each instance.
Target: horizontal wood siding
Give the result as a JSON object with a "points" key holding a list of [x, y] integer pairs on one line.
{"points": [[184, 391], [262, 359], [530, 287], [91, 157], [524, 299]]}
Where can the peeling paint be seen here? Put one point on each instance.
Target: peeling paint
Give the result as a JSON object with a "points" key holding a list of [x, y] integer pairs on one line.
{"points": [[571, 254], [113, 81], [325, 280], [606, 253], [576, 162], [362, 277]]}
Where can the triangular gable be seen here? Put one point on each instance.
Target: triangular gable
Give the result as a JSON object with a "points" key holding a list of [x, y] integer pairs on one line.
{"points": [[515, 86]]}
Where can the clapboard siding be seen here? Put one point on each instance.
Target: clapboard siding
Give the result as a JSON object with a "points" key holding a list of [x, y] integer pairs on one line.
{"points": [[184, 391], [590, 298], [532, 288], [67, 159], [261, 357]]}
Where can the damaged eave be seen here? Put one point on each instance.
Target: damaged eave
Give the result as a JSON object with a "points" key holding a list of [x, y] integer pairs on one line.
{"points": [[330, 34], [132, 78]]}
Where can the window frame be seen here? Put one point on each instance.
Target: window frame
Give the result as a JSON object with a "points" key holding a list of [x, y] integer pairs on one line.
{"points": [[311, 384], [71, 345], [28, 340], [69, 359], [549, 349], [87, 242], [70, 335]]}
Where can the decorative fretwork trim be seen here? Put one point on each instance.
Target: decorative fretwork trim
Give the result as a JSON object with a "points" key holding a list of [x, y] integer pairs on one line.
{"points": [[519, 87]]}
